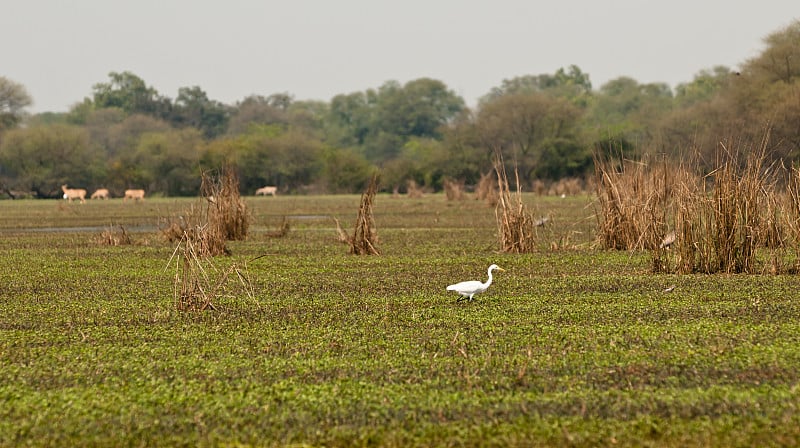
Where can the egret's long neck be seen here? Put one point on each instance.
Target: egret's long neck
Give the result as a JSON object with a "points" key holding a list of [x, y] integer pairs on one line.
{"points": [[489, 282]]}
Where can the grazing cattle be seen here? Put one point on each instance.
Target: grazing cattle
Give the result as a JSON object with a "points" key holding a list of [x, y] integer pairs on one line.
{"points": [[268, 190], [100, 193], [74, 193], [136, 195]]}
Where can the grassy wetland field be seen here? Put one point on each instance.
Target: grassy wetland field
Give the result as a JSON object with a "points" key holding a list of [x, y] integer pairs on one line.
{"points": [[571, 345]]}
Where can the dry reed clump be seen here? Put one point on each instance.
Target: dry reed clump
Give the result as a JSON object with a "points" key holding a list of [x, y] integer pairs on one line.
{"points": [[486, 190], [365, 237], [193, 224], [282, 231], [732, 220], [222, 217], [227, 212], [112, 237], [194, 289], [454, 191], [569, 186], [722, 230], [413, 190], [539, 187], [631, 198], [515, 223], [790, 205]]}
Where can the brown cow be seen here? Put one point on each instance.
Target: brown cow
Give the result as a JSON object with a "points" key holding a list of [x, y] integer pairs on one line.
{"points": [[74, 193]]}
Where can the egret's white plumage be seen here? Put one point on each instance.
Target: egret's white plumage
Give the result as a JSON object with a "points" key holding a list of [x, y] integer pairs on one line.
{"points": [[472, 287]]}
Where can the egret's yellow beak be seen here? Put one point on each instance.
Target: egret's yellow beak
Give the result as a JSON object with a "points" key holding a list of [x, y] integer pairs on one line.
{"points": [[501, 269]]}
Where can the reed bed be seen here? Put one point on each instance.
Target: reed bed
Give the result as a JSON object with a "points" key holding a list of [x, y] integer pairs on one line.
{"points": [[741, 217], [631, 196]]}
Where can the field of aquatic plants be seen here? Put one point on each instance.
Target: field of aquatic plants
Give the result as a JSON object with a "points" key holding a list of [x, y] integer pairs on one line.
{"points": [[570, 346]]}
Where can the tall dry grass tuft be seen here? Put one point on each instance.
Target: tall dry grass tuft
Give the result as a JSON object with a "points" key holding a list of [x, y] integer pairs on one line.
{"points": [[192, 224], [733, 220], [454, 191], [791, 215], [486, 190], [515, 224], [193, 286], [691, 247], [111, 237], [227, 212], [631, 198], [570, 186], [694, 222], [365, 237], [414, 191], [281, 232], [223, 216]]}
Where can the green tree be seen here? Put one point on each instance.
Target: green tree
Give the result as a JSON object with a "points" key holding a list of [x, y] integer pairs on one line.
{"points": [[130, 93], [309, 117], [780, 61], [256, 110], [350, 118], [523, 125], [267, 155], [422, 160], [168, 162], [766, 94], [625, 110], [14, 98], [345, 171], [572, 84], [417, 109], [193, 108], [380, 122], [468, 155], [122, 138], [703, 87], [43, 158]]}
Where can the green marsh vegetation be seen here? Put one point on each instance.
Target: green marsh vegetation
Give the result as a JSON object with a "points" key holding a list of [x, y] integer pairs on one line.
{"points": [[573, 345]]}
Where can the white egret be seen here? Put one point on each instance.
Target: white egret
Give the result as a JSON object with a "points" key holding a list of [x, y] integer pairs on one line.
{"points": [[472, 287]]}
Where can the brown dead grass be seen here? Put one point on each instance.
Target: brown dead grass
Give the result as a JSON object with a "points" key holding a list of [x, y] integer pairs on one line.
{"points": [[515, 224], [735, 219], [365, 237]]}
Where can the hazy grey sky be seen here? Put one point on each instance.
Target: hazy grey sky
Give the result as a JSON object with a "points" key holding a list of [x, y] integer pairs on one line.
{"points": [[316, 49]]}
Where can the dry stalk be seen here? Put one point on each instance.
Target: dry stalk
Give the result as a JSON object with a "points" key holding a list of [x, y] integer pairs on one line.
{"points": [[110, 237], [227, 212], [791, 215], [341, 235], [723, 229], [454, 191], [365, 237], [631, 197], [516, 226], [282, 231], [414, 191], [193, 288], [487, 189]]}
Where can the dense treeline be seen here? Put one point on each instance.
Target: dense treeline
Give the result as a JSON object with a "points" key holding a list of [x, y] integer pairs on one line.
{"points": [[128, 135]]}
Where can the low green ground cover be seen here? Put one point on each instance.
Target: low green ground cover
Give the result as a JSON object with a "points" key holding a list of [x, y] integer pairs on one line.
{"points": [[569, 347]]}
